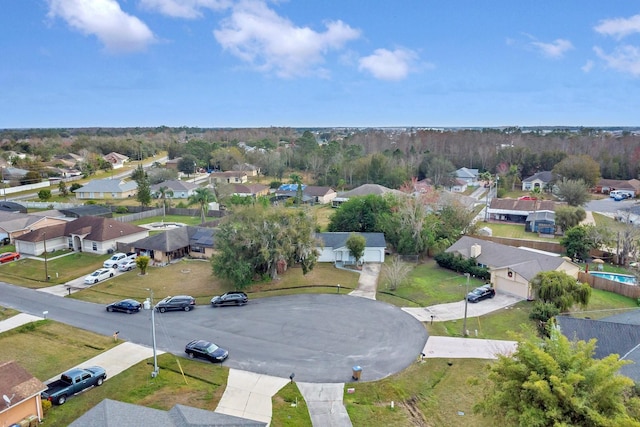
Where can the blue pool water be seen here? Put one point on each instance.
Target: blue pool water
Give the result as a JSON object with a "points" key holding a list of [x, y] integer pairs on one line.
{"points": [[622, 278]]}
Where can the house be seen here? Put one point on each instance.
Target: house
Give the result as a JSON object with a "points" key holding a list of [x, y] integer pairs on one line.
{"points": [[606, 186], [180, 189], [22, 390], [333, 247], [87, 210], [290, 191], [117, 160], [249, 169], [517, 210], [470, 176], [457, 185], [111, 413], [322, 195], [107, 189], [543, 222], [13, 174], [172, 163], [363, 190], [511, 268], [250, 190], [176, 243], [6, 206], [14, 225], [86, 234], [228, 177], [540, 180], [618, 334]]}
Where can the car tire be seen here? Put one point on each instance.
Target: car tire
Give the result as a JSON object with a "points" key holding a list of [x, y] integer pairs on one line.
{"points": [[61, 400], [100, 381], [191, 355], [95, 281], [109, 309], [129, 311], [187, 308], [110, 274], [162, 309]]}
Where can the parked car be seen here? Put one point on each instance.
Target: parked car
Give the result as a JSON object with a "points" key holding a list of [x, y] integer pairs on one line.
{"points": [[125, 306], [73, 382], [206, 350], [483, 292], [230, 298], [98, 275], [128, 265], [179, 302], [119, 258], [9, 256]]}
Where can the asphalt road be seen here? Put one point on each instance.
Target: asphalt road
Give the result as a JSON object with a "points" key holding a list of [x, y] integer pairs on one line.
{"points": [[609, 205], [317, 337]]}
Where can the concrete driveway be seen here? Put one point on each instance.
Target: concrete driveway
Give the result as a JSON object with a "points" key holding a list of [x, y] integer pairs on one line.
{"points": [[455, 310]]}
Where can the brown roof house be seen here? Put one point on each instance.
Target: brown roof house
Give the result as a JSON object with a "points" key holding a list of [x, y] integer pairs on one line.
{"points": [[250, 190], [20, 392], [86, 234], [322, 195], [608, 185], [517, 210], [117, 160], [511, 268], [176, 243], [228, 177]]}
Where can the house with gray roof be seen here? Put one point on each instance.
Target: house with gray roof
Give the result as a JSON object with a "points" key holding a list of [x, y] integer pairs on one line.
{"points": [[179, 189], [539, 180], [363, 190], [619, 334], [112, 413], [469, 176], [511, 268], [176, 243], [333, 247], [105, 189], [14, 224]]}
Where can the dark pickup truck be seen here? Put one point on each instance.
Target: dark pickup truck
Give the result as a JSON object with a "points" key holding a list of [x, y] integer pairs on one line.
{"points": [[73, 382]]}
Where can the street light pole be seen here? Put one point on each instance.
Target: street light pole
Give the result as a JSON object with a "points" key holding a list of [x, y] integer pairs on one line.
{"points": [[153, 336], [46, 272], [466, 302]]}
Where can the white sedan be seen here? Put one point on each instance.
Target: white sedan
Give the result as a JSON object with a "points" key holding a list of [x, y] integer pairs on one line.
{"points": [[98, 275], [127, 265]]}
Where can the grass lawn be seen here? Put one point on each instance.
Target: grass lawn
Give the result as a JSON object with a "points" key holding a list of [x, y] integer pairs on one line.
{"points": [[610, 223], [289, 408], [514, 231], [188, 220], [31, 272]]}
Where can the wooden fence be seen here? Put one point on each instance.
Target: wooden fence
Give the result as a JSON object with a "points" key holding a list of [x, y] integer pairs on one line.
{"points": [[631, 291]]}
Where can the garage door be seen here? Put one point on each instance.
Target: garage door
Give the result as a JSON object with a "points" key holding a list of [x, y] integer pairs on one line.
{"points": [[372, 255], [510, 287]]}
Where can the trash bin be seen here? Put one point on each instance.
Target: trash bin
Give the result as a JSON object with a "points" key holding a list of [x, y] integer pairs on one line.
{"points": [[357, 371]]}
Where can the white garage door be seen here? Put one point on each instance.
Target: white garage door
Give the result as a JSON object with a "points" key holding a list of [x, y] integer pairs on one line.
{"points": [[511, 287]]}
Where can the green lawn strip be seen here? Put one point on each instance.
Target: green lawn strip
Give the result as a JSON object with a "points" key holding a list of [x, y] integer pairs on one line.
{"points": [[428, 284], [289, 408], [31, 272], [46, 348], [514, 231], [6, 313], [606, 221], [426, 393], [604, 304], [188, 220], [201, 386]]}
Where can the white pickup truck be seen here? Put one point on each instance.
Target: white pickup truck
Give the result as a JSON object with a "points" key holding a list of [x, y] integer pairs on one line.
{"points": [[118, 258]]}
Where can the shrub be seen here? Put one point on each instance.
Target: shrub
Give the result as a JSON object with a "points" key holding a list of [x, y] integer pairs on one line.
{"points": [[46, 405], [461, 265], [122, 210]]}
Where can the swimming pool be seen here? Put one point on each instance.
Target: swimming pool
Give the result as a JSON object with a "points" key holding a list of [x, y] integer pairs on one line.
{"points": [[622, 278]]}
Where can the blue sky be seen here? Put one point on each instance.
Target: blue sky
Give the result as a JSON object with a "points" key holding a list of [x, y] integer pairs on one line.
{"points": [[374, 63]]}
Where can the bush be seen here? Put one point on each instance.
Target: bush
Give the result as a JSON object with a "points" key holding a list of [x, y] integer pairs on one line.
{"points": [[75, 186], [461, 265], [46, 405], [122, 210]]}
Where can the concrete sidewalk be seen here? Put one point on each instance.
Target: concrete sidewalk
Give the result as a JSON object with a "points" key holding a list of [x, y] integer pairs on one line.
{"points": [[17, 320], [248, 395], [467, 348], [455, 310], [325, 404]]}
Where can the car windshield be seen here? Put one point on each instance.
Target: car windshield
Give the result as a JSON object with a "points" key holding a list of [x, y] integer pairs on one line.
{"points": [[478, 291], [211, 348], [95, 273]]}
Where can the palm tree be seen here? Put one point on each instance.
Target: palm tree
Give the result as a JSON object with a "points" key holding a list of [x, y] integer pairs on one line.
{"points": [[164, 193], [202, 196]]}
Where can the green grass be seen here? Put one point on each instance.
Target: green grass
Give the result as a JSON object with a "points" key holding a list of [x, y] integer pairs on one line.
{"points": [[605, 221], [31, 272], [289, 408], [188, 220]]}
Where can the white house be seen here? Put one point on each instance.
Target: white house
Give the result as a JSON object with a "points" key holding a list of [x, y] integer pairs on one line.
{"points": [[539, 180], [179, 189], [470, 176], [334, 247]]}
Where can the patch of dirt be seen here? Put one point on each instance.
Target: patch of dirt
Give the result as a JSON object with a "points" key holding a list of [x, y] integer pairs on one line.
{"points": [[415, 414]]}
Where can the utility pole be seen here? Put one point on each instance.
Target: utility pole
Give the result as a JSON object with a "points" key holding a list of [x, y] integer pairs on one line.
{"points": [[150, 306], [466, 302], [46, 272]]}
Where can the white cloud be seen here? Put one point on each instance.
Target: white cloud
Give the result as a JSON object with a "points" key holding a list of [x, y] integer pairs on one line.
{"points": [[258, 35], [555, 49], [385, 64], [117, 30], [624, 58], [587, 66], [619, 27], [184, 8]]}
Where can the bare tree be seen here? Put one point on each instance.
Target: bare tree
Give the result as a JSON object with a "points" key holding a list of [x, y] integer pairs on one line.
{"points": [[396, 273]]}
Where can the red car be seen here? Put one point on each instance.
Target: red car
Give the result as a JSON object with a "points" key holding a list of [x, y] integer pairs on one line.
{"points": [[9, 256]]}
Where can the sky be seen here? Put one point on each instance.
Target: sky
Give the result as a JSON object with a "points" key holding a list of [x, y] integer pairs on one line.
{"points": [[329, 63]]}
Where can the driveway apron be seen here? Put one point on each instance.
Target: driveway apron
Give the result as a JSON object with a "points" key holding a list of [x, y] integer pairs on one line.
{"points": [[325, 404]]}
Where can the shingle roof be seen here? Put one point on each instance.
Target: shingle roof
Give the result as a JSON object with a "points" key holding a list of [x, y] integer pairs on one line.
{"points": [[12, 207], [524, 262], [630, 184], [111, 413], [544, 176], [249, 188], [366, 189], [523, 205], [174, 185], [108, 186], [12, 221], [87, 210], [177, 238], [94, 228], [339, 239], [466, 173], [17, 382], [314, 190]]}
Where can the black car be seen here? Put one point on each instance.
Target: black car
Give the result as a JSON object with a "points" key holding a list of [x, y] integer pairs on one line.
{"points": [[230, 298], [206, 350], [483, 292], [126, 306], [179, 302]]}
